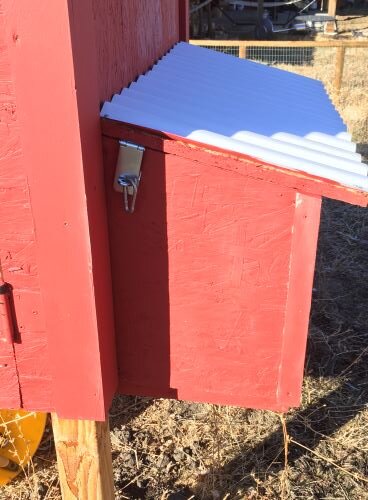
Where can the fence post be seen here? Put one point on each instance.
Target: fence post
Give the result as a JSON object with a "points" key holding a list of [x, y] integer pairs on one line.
{"points": [[340, 59], [242, 51], [330, 27]]}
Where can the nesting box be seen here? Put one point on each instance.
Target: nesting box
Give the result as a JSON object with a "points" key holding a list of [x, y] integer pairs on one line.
{"points": [[214, 170], [203, 292]]}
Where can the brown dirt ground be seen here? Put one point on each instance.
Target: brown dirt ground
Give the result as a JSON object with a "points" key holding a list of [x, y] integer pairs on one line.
{"points": [[172, 450]]}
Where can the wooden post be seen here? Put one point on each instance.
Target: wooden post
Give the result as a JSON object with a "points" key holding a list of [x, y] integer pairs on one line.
{"points": [[84, 459], [184, 20], [340, 59], [331, 26], [242, 51]]}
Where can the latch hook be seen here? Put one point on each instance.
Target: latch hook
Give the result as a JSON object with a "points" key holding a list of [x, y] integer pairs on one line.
{"points": [[129, 181], [128, 173]]}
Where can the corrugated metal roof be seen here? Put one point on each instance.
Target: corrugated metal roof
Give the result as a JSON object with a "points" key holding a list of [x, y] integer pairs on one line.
{"points": [[239, 105]]}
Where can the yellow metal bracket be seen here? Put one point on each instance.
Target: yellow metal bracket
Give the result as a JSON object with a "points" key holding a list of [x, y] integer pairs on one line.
{"points": [[20, 435]]}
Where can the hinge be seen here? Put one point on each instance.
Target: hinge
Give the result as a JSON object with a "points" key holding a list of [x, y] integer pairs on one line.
{"points": [[6, 317], [128, 172]]}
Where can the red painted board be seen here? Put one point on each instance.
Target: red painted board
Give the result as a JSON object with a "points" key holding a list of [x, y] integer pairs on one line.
{"points": [[19, 361], [54, 228], [234, 162], [67, 267], [303, 254], [130, 36], [9, 392], [184, 18], [201, 283]]}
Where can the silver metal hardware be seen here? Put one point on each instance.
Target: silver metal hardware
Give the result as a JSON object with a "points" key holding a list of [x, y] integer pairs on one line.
{"points": [[128, 173]]}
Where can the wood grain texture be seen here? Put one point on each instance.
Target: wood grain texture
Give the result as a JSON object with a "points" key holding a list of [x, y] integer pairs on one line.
{"points": [[200, 309], [63, 370], [9, 393], [18, 251], [339, 67], [130, 36], [84, 459]]}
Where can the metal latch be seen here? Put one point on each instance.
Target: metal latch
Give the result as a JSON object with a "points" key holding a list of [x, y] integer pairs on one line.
{"points": [[128, 173], [6, 317]]}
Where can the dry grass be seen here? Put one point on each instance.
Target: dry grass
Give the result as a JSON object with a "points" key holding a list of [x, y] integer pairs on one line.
{"points": [[352, 99], [171, 450]]}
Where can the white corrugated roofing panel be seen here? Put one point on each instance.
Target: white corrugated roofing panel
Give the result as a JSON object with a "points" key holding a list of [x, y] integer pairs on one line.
{"points": [[238, 105]]}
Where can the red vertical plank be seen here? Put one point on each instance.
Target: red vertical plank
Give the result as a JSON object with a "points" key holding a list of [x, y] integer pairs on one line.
{"points": [[73, 275], [184, 20], [130, 36], [302, 261], [17, 249], [9, 392]]}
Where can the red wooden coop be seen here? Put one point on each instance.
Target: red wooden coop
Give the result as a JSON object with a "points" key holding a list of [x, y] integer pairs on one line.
{"points": [[203, 291]]}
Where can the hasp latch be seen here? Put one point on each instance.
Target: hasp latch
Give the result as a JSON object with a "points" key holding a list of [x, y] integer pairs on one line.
{"points": [[128, 173]]}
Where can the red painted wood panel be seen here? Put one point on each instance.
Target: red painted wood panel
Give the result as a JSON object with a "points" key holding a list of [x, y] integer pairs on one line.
{"points": [[184, 20], [302, 260], [73, 272], [53, 227], [201, 276], [20, 361], [130, 36]]}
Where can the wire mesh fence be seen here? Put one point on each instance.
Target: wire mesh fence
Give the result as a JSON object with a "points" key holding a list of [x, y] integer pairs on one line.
{"points": [[324, 60], [299, 56], [313, 62], [232, 50]]}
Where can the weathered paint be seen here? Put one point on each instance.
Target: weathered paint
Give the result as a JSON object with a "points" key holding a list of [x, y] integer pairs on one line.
{"points": [[208, 305], [53, 217], [17, 245]]}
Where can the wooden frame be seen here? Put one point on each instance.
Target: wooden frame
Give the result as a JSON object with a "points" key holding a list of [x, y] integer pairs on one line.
{"points": [[282, 43], [331, 11]]}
